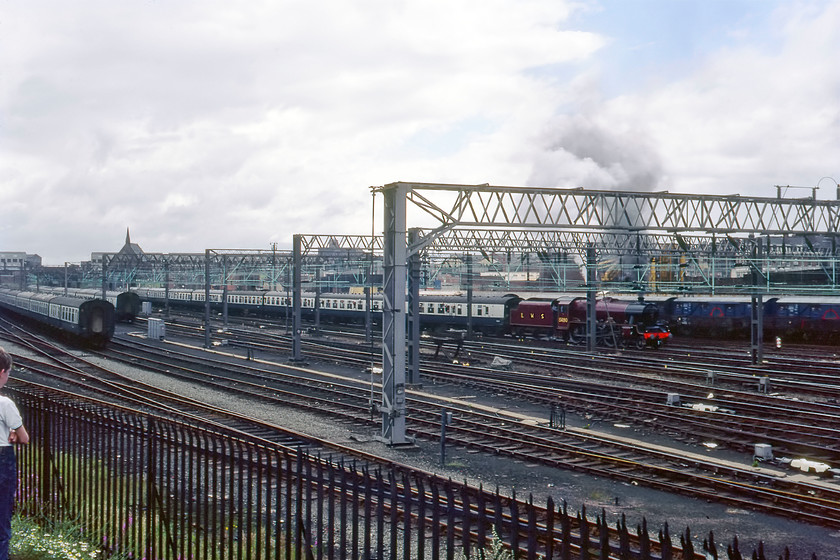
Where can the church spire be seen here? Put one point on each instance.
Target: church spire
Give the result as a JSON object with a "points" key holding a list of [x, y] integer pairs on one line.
{"points": [[127, 237]]}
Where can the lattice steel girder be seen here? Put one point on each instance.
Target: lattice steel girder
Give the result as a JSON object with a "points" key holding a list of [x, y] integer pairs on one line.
{"points": [[566, 240], [190, 267], [614, 242], [536, 208], [311, 242]]}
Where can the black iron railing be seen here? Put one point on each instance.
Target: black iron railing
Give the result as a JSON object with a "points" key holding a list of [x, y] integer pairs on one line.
{"points": [[148, 487]]}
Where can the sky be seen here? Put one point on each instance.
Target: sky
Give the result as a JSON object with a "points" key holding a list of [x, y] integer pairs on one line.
{"points": [[231, 124]]}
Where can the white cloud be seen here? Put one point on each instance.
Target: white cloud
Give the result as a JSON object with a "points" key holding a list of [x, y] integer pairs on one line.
{"points": [[233, 124], [750, 118]]}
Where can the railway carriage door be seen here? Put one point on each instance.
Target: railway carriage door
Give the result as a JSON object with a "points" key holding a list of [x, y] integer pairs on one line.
{"points": [[97, 321]]}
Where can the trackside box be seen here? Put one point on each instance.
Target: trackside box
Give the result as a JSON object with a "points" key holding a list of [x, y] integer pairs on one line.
{"points": [[157, 329]]}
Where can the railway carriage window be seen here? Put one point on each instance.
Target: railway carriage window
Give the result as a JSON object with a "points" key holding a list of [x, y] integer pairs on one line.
{"points": [[341, 304], [478, 311], [460, 310], [335, 305], [441, 308], [431, 308]]}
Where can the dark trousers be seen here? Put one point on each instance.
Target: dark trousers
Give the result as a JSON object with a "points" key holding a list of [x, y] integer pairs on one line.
{"points": [[8, 487]]}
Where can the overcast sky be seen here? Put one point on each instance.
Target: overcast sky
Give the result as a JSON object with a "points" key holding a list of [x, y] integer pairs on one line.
{"points": [[234, 124]]}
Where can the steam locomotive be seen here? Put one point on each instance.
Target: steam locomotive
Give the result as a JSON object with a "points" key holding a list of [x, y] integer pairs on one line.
{"points": [[618, 322]]}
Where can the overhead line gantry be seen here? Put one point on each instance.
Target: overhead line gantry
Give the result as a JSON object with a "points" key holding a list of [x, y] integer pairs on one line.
{"points": [[583, 216]]}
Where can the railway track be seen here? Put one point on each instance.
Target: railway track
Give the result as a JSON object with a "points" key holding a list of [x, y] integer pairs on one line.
{"points": [[95, 381], [624, 389], [760, 489]]}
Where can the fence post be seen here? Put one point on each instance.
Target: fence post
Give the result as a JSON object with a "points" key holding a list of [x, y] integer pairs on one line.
{"points": [[380, 515], [665, 543], [549, 528], [450, 521], [604, 535], [151, 475], [566, 525], [709, 547], [45, 474], [497, 510], [481, 521], [342, 541], [368, 510], [406, 517], [686, 544], [355, 531], [644, 540], [319, 507], [435, 519], [583, 523], [732, 550], [288, 522], [514, 525], [421, 518], [467, 522], [394, 499], [623, 538], [532, 529]]}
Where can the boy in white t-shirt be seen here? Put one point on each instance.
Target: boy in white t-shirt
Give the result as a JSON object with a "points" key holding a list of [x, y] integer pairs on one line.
{"points": [[11, 431]]}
